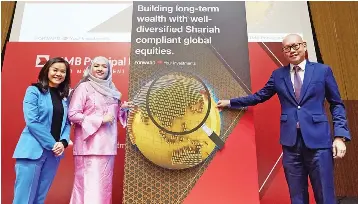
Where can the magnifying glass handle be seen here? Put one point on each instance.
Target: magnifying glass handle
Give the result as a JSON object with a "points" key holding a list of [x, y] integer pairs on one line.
{"points": [[213, 136]]}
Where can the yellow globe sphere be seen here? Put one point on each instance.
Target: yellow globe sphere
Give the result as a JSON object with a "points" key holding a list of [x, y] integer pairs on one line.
{"points": [[178, 105]]}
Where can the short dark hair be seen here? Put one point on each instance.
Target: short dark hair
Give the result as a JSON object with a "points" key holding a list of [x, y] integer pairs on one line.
{"points": [[42, 79]]}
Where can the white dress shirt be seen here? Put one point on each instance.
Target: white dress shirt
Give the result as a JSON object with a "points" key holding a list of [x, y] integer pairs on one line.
{"points": [[301, 72]]}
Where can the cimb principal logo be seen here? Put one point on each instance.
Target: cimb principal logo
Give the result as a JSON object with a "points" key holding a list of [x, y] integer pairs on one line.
{"points": [[41, 60], [82, 61]]}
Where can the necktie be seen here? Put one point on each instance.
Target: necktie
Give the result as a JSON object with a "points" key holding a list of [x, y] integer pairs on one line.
{"points": [[297, 83]]}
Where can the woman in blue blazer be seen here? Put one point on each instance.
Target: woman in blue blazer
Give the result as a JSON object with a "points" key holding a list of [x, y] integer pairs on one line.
{"points": [[46, 134]]}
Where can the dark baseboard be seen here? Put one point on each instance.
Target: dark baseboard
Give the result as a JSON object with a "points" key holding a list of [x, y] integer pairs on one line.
{"points": [[347, 200]]}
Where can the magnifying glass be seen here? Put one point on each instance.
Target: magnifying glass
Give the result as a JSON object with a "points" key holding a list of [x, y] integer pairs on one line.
{"points": [[170, 97]]}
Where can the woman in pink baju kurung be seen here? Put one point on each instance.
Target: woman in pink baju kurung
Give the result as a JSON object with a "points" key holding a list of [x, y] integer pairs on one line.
{"points": [[94, 110]]}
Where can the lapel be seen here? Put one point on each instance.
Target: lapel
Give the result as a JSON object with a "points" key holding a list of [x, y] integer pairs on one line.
{"points": [[49, 104], [307, 79], [64, 118], [288, 82]]}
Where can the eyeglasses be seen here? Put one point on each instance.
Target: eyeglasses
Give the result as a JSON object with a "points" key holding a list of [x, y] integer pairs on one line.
{"points": [[295, 46]]}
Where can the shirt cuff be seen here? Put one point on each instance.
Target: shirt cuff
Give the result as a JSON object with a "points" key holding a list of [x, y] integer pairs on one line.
{"points": [[343, 138]]}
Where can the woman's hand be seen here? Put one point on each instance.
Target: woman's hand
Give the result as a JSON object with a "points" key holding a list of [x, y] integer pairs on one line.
{"points": [[58, 149], [127, 105], [108, 118]]}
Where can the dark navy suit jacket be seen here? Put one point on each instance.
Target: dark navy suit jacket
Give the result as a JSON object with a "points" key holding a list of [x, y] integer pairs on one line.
{"points": [[318, 84]]}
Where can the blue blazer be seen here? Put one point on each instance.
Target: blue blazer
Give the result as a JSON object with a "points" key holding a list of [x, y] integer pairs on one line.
{"points": [[36, 135], [318, 84]]}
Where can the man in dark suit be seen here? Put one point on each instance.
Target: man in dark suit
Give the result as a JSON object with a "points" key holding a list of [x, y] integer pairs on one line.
{"points": [[305, 136]]}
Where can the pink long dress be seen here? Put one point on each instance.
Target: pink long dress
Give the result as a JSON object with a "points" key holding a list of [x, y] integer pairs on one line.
{"points": [[95, 144]]}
